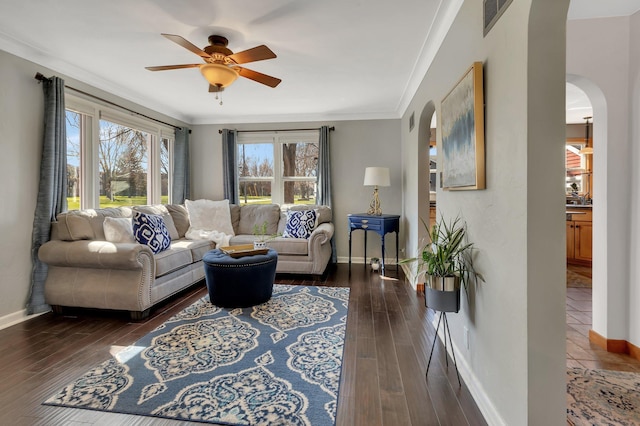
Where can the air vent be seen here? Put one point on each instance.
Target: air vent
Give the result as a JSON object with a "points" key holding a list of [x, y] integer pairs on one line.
{"points": [[493, 9]]}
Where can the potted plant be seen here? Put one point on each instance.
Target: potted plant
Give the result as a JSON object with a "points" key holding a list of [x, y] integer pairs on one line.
{"points": [[446, 264], [262, 237]]}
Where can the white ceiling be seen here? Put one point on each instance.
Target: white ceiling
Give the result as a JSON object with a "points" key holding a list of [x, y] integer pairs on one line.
{"points": [[338, 59]]}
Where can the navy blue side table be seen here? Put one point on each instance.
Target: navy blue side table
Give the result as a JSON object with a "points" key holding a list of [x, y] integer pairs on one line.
{"points": [[381, 225]]}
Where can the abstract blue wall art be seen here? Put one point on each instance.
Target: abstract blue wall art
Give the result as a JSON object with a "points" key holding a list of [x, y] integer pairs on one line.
{"points": [[463, 133]]}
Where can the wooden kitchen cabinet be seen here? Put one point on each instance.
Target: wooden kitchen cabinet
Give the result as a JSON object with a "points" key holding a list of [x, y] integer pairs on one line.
{"points": [[579, 237], [432, 215]]}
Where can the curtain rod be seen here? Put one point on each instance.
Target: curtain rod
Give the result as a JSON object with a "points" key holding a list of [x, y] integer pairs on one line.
{"points": [[280, 130], [41, 77]]}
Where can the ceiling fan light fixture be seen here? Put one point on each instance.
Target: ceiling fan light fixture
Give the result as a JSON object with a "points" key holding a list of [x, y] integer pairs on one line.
{"points": [[218, 74]]}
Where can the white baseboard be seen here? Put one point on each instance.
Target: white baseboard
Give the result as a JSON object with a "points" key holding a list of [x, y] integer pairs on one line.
{"points": [[15, 318], [486, 407]]}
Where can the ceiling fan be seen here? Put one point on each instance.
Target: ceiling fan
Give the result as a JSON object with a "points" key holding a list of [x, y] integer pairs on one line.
{"points": [[221, 64]]}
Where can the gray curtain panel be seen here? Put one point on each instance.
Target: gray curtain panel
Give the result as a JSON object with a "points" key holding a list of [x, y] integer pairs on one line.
{"points": [[229, 167], [324, 179], [181, 189], [52, 196]]}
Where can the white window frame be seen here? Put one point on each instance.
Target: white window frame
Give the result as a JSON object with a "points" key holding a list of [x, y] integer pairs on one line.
{"points": [[277, 138], [91, 114]]}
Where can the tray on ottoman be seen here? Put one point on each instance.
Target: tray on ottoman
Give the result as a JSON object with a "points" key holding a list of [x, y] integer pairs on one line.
{"points": [[242, 250]]}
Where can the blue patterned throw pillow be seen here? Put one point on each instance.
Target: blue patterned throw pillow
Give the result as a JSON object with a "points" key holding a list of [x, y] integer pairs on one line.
{"points": [[300, 223], [150, 230]]}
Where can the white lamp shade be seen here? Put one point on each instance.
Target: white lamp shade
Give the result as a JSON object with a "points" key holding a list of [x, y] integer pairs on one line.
{"points": [[377, 176]]}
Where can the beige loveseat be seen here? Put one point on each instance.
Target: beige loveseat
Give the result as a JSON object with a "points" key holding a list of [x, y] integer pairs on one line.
{"points": [[86, 270], [295, 255]]}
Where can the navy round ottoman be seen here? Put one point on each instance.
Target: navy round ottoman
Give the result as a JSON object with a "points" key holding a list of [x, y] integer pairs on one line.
{"points": [[239, 282]]}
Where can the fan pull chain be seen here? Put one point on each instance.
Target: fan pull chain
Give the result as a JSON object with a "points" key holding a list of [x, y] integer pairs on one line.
{"points": [[219, 97]]}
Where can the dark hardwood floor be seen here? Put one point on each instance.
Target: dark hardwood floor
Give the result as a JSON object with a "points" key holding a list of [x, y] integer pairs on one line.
{"points": [[389, 335]]}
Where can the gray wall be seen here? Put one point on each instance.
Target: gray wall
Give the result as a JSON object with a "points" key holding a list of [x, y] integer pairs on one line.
{"points": [[514, 364], [354, 146], [21, 127]]}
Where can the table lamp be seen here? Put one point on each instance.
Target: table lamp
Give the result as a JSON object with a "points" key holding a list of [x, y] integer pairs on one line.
{"points": [[376, 176]]}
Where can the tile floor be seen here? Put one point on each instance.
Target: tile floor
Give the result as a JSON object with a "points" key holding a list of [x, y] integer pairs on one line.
{"points": [[580, 351]]}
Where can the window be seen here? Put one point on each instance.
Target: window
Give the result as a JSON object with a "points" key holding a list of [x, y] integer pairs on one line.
{"points": [[73, 159], [278, 167], [576, 167], [118, 161], [166, 147], [123, 165]]}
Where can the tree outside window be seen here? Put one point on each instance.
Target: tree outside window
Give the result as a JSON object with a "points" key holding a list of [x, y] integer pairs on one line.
{"points": [[122, 158], [74, 127], [292, 179], [165, 170]]}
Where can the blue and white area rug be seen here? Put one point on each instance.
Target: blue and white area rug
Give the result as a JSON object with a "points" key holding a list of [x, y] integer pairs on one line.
{"points": [[275, 363]]}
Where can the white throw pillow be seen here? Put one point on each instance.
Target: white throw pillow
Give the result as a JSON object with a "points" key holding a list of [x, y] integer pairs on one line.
{"points": [[208, 215], [118, 230]]}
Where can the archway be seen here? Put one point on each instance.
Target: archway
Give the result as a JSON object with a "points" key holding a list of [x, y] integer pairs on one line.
{"points": [[600, 291], [425, 125]]}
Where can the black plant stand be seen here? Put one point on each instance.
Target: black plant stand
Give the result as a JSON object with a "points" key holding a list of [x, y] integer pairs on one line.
{"points": [[435, 337]]}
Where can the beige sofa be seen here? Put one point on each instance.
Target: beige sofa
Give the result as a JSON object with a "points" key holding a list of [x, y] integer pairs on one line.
{"points": [[85, 270]]}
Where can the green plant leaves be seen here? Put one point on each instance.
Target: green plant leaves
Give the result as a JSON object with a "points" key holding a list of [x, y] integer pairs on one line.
{"points": [[446, 253]]}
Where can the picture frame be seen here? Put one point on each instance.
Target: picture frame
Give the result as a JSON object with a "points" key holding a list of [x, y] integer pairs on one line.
{"points": [[462, 127]]}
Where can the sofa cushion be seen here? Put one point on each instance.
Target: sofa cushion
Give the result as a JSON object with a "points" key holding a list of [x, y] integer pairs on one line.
{"points": [[160, 210], [300, 223], [180, 217], [172, 259], [118, 230], [234, 210], [208, 215], [86, 224], [251, 215], [150, 230], [198, 248]]}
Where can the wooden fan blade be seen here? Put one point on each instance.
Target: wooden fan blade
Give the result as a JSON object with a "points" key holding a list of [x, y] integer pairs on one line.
{"points": [[258, 53], [213, 88], [257, 76], [172, 67], [187, 45]]}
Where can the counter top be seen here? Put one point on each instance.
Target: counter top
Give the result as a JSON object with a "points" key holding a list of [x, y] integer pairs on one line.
{"points": [[580, 206]]}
